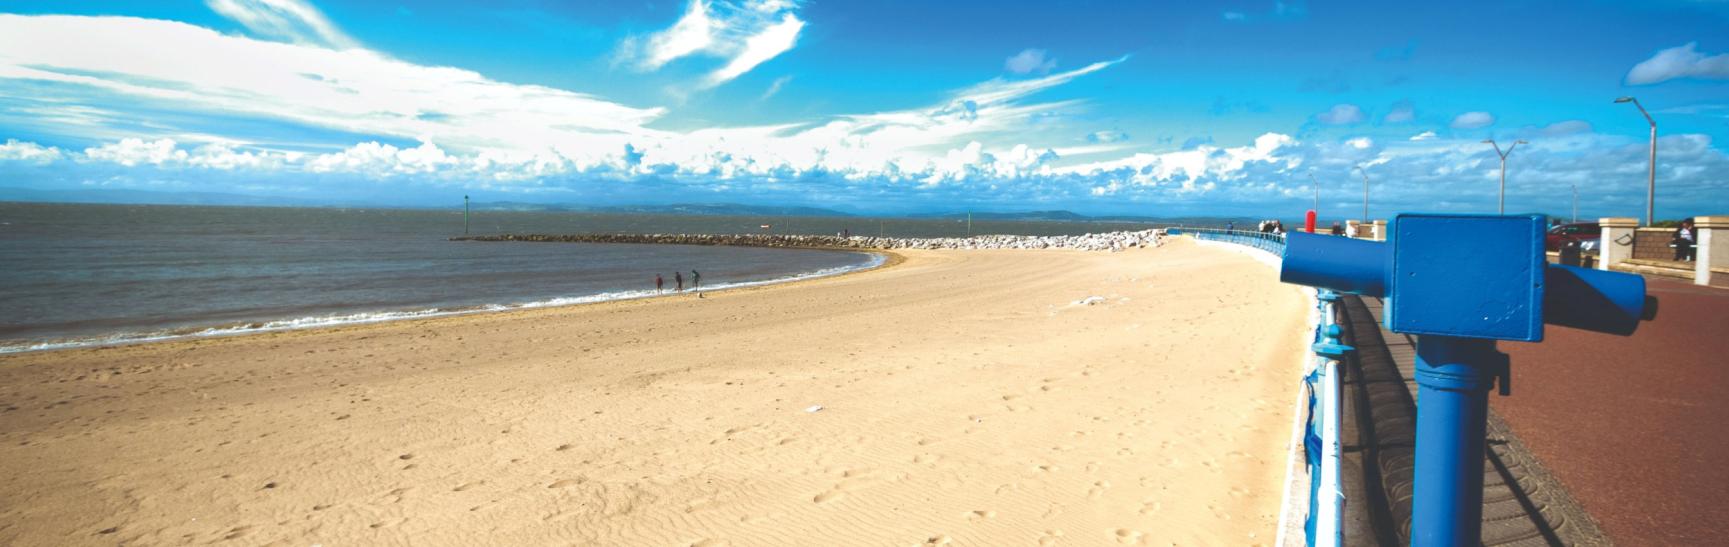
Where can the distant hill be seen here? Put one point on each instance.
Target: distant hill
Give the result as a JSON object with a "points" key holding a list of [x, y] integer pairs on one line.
{"points": [[723, 209], [1024, 215], [145, 197]]}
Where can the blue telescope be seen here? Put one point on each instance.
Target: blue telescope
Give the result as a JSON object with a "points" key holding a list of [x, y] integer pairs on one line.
{"points": [[1462, 282]]}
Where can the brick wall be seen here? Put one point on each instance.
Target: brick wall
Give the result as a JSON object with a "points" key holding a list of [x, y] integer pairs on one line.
{"points": [[1653, 244]]}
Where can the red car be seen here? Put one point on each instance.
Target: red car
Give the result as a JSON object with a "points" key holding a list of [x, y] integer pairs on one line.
{"points": [[1586, 233]]}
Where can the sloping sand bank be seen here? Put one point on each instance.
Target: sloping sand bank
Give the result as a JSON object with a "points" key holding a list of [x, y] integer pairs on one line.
{"points": [[964, 397]]}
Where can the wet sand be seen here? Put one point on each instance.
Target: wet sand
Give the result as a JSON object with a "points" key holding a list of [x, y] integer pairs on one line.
{"points": [[959, 396]]}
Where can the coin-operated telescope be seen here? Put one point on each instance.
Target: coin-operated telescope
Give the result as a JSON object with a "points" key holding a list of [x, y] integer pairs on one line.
{"points": [[1460, 283]]}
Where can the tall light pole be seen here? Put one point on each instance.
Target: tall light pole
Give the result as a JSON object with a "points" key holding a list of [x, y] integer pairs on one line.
{"points": [[1316, 185], [1502, 209], [1651, 182], [1365, 193], [1575, 203]]}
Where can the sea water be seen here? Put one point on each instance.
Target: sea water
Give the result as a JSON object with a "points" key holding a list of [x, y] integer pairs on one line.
{"points": [[74, 275]]}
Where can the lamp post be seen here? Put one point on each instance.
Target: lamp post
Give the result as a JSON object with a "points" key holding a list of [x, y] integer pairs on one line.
{"points": [[1316, 185], [1502, 208], [1365, 193], [1575, 203], [1651, 181]]}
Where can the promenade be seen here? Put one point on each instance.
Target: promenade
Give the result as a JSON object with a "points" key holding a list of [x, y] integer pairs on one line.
{"points": [[1636, 427], [1605, 439]]}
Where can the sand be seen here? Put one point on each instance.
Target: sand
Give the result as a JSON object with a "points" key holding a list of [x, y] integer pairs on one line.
{"points": [[957, 397]]}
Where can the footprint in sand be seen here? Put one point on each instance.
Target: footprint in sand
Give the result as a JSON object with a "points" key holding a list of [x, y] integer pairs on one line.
{"points": [[1127, 536], [1050, 537], [981, 515]]}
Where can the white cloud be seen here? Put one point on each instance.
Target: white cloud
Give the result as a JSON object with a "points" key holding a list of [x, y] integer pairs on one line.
{"points": [[758, 49], [1426, 135], [1029, 61], [1683, 61], [1107, 136], [1402, 112], [1569, 127], [1360, 143], [134, 152], [775, 87], [692, 33], [16, 150], [1473, 120], [292, 20], [1341, 114], [175, 67], [747, 34]]}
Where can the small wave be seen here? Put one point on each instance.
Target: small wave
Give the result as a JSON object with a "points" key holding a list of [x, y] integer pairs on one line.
{"points": [[397, 315]]}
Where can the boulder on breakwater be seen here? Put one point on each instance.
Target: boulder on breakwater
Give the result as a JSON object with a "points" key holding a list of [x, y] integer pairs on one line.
{"points": [[1108, 241]]}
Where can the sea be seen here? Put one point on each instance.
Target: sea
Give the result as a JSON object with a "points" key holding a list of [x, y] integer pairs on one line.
{"points": [[74, 275]]}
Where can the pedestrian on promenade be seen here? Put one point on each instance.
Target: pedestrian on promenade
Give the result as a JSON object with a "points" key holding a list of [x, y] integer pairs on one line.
{"points": [[1338, 230], [678, 277], [695, 279], [1230, 226], [1683, 240], [658, 283]]}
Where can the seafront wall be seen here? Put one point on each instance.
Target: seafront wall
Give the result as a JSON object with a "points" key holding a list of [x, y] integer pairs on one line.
{"points": [[1109, 241]]}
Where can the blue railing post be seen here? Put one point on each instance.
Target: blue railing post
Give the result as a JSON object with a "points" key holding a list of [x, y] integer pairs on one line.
{"points": [[1460, 283]]}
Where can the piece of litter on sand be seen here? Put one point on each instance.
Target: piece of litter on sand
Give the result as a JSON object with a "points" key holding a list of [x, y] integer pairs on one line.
{"points": [[813, 408], [1089, 301]]}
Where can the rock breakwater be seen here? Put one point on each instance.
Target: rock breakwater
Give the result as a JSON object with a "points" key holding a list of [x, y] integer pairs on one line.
{"points": [[1108, 241]]}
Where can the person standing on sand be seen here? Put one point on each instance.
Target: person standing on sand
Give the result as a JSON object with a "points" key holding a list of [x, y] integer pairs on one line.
{"points": [[678, 277], [695, 280], [658, 283]]}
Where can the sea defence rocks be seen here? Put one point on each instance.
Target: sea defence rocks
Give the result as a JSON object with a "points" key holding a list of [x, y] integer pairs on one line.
{"points": [[1109, 241]]}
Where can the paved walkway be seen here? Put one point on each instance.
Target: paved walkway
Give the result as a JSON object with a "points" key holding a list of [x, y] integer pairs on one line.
{"points": [[1636, 427], [1522, 503]]}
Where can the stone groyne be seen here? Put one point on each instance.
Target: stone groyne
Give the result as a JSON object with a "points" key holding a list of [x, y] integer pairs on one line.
{"points": [[1109, 241]]}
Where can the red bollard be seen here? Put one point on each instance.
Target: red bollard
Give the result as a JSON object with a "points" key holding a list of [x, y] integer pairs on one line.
{"points": [[1309, 222]]}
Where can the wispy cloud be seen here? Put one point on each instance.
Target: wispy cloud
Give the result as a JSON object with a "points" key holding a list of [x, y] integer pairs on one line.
{"points": [[746, 34], [1683, 61], [1029, 61], [291, 20], [775, 87], [1473, 120], [1341, 114]]}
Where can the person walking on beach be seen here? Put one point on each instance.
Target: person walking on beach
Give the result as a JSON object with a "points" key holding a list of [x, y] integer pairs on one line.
{"points": [[678, 277], [695, 280], [658, 283]]}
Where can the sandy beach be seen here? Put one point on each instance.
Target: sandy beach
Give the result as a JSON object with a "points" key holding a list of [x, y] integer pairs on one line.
{"points": [[957, 397]]}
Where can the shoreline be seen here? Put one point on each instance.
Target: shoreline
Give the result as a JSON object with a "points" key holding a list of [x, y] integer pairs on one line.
{"points": [[881, 259]]}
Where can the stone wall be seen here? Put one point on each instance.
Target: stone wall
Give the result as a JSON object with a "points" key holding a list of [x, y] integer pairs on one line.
{"points": [[1653, 244], [1110, 241]]}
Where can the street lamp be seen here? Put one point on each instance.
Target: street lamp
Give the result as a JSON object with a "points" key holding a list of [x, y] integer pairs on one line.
{"points": [[1316, 185], [1502, 209], [1651, 182], [1365, 193], [1575, 203]]}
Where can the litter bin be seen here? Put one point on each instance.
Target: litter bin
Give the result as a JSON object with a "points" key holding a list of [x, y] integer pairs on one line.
{"points": [[1570, 254]]}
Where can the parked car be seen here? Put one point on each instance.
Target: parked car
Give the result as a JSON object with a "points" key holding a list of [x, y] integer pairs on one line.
{"points": [[1587, 234]]}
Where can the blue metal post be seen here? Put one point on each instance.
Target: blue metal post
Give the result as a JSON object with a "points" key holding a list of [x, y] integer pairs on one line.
{"points": [[1453, 380]]}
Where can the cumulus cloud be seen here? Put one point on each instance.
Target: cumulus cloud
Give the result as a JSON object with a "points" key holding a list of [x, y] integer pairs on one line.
{"points": [[291, 20], [1473, 120], [746, 34], [1683, 61], [15, 150], [1341, 114], [1029, 61], [1426, 135]]}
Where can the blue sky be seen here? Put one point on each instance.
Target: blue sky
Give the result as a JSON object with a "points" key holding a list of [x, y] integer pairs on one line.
{"points": [[875, 107]]}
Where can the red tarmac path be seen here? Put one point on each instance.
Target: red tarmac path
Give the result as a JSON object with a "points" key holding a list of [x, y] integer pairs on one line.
{"points": [[1637, 428]]}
